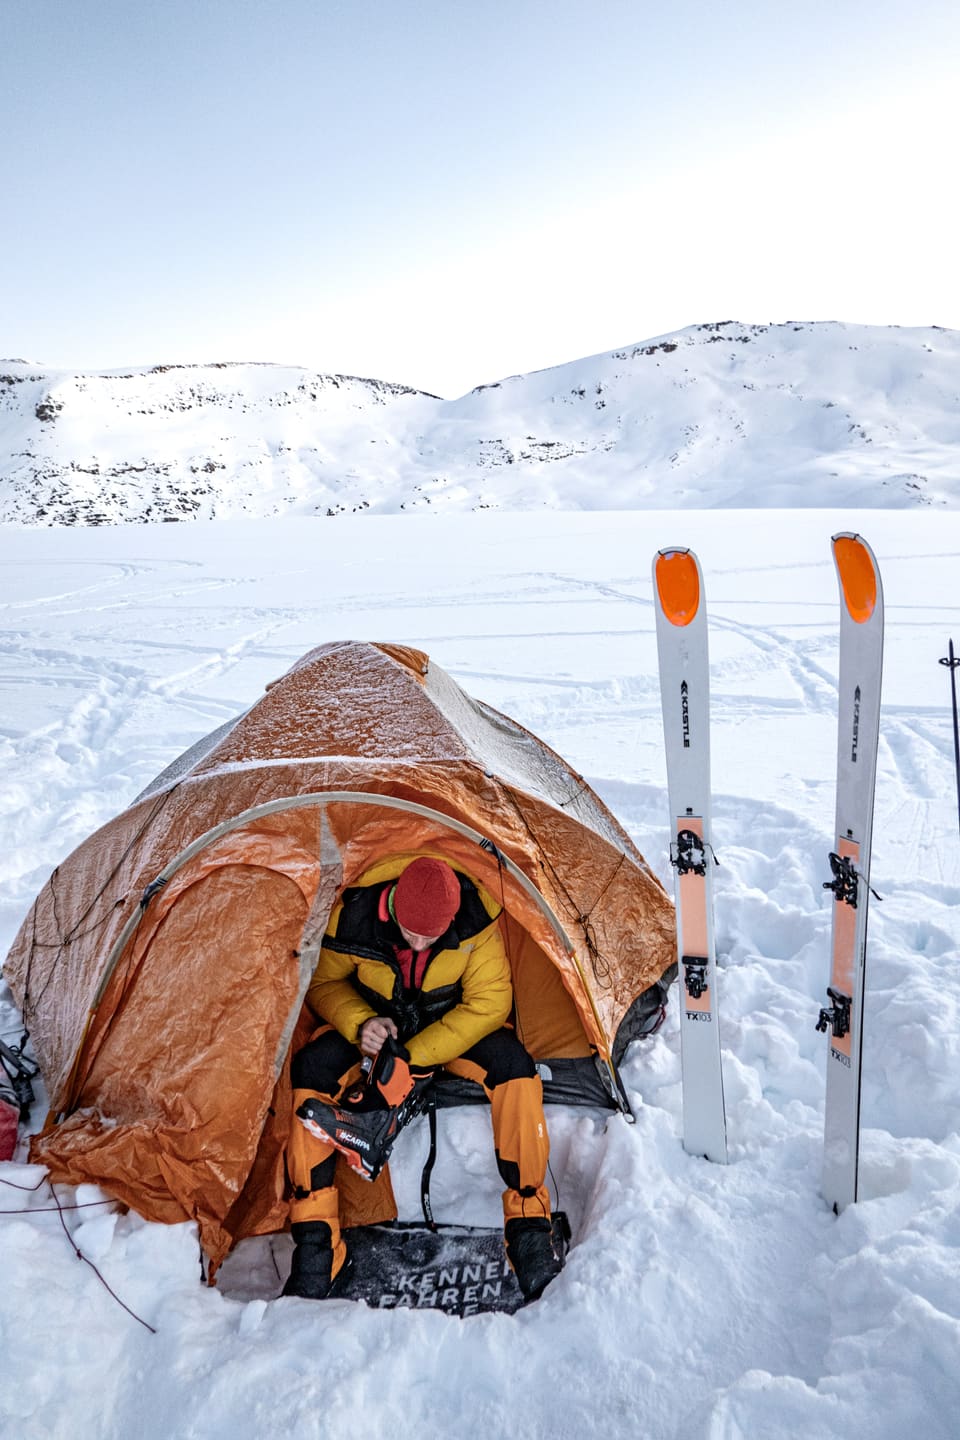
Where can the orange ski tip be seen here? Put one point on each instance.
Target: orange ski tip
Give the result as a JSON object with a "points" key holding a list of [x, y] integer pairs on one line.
{"points": [[678, 585], [858, 577]]}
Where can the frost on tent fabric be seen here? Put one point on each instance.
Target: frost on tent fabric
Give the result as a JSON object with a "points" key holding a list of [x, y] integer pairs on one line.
{"points": [[185, 932]]}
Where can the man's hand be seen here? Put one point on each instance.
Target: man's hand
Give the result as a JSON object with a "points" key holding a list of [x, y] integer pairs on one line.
{"points": [[373, 1033]]}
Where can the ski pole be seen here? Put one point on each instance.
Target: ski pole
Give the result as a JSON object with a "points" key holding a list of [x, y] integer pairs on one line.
{"points": [[952, 661]]}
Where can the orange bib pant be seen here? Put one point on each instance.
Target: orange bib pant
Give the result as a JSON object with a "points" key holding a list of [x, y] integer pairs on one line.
{"points": [[329, 1065]]}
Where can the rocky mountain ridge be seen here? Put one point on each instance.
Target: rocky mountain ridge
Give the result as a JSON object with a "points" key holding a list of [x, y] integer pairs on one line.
{"points": [[721, 414]]}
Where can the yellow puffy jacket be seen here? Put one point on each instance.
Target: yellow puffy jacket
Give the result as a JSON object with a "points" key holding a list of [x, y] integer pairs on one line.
{"points": [[465, 992]]}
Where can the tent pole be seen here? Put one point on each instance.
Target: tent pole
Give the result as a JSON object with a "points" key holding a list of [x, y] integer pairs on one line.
{"points": [[320, 798]]}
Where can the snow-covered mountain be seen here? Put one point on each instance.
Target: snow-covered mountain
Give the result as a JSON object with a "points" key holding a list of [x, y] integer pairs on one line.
{"points": [[715, 415]]}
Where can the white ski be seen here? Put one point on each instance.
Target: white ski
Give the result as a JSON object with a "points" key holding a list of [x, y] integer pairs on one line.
{"points": [[685, 696], [861, 663]]}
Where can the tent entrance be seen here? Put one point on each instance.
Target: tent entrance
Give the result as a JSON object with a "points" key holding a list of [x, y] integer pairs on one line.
{"points": [[552, 1021]]}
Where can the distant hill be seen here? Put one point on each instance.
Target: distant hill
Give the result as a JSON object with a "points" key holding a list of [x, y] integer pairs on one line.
{"points": [[820, 414]]}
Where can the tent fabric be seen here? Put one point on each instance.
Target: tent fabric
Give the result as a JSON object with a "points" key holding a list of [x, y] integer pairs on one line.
{"points": [[168, 1075]]}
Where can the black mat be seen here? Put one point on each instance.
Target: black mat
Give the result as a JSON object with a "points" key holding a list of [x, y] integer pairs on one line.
{"points": [[459, 1269]]}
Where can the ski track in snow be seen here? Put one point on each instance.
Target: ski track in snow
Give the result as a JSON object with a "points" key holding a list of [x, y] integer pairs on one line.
{"points": [[711, 1296]]}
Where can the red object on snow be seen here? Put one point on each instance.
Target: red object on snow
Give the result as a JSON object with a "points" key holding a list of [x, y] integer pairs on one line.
{"points": [[9, 1123]]}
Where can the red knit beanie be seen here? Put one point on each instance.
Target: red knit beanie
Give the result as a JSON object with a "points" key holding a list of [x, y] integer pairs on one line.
{"points": [[427, 897]]}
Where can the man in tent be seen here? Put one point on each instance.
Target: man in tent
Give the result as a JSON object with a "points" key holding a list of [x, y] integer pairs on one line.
{"points": [[413, 958]]}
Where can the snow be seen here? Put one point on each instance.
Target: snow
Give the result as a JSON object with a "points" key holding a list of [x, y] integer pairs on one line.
{"points": [[699, 1302], [722, 414]]}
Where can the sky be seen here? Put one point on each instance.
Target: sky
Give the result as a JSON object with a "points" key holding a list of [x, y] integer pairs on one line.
{"points": [[443, 194]]}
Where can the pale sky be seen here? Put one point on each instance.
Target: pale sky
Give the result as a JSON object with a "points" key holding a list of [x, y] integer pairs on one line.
{"points": [[444, 193]]}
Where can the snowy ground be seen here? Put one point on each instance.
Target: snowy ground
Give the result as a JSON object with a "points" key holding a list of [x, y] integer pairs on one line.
{"points": [[698, 1302]]}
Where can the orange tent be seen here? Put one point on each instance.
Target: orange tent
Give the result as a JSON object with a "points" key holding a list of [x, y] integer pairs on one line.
{"points": [[162, 969]]}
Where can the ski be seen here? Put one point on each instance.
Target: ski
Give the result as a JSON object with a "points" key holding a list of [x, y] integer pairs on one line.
{"points": [[861, 662], [685, 697]]}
